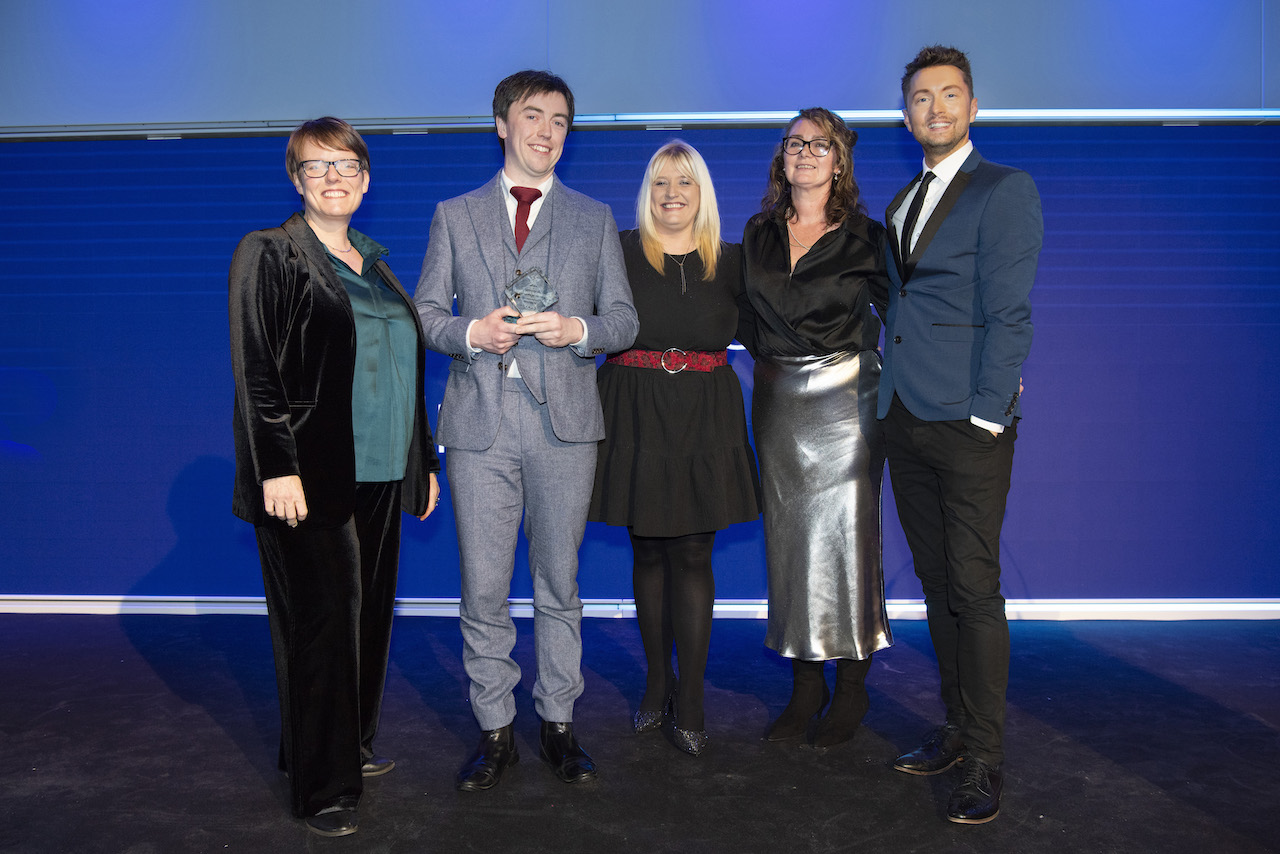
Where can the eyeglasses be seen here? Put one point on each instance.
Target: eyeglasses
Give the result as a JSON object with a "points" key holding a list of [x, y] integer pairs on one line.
{"points": [[320, 168], [818, 147]]}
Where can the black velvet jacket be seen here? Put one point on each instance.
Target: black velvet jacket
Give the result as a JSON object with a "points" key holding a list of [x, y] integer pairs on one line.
{"points": [[293, 345]]}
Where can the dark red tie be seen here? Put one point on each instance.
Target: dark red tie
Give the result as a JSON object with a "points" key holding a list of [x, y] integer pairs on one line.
{"points": [[525, 197]]}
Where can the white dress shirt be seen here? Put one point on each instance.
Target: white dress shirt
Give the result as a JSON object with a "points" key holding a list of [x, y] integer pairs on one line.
{"points": [[943, 174]]}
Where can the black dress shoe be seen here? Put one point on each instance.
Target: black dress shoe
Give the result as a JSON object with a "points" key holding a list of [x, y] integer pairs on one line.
{"points": [[376, 766], [337, 822], [495, 753], [977, 799], [561, 750], [942, 749]]}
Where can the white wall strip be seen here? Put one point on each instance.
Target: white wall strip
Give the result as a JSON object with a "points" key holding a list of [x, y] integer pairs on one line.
{"points": [[899, 609], [662, 121]]}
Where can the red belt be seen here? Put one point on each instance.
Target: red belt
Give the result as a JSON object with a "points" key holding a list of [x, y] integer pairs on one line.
{"points": [[672, 360]]}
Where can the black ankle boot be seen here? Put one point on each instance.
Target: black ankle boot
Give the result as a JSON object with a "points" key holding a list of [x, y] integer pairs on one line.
{"points": [[808, 695], [848, 706]]}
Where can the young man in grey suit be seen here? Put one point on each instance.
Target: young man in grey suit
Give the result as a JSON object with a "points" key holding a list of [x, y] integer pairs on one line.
{"points": [[964, 240], [521, 416]]}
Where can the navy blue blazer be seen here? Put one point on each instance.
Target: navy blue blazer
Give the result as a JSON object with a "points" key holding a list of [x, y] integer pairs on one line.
{"points": [[959, 324]]}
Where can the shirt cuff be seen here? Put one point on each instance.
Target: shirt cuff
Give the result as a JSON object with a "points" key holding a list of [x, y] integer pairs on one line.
{"points": [[986, 425], [581, 345], [474, 350]]}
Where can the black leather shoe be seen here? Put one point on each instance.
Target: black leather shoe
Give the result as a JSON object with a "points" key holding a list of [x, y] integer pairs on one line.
{"points": [[333, 823], [977, 799], [941, 749], [495, 754], [376, 766], [561, 750]]}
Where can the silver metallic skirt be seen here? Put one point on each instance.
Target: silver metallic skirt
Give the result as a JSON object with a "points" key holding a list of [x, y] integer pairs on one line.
{"points": [[821, 453]]}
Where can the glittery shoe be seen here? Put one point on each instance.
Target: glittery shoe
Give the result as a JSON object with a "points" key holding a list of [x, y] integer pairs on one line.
{"points": [[691, 741], [645, 721]]}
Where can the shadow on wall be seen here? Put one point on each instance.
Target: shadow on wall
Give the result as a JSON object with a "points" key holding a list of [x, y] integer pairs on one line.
{"points": [[234, 652], [215, 551]]}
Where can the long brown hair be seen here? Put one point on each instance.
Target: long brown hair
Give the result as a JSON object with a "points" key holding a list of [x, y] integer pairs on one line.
{"points": [[844, 199]]}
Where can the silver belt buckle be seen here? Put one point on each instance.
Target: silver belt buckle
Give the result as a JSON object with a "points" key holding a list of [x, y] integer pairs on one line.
{"points": [[663, 360]]}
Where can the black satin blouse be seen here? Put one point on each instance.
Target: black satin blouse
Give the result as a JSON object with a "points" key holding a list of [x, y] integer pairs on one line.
{"points": [[824, 306]]}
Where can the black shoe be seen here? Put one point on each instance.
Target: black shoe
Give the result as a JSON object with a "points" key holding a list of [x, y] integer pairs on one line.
{"points": [[337, 822], [495, 754], [941, 749], [561, 750], [691, 741], [977, 799], [376, 766], [644, 721], [809, 693], [849, 704]]}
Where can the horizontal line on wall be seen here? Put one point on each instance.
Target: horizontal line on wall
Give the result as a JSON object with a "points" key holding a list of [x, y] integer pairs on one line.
{"points": [[657, 121], [900, 609]]}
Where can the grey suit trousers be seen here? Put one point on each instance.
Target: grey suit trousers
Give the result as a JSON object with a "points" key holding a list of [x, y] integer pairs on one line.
{"points": [[527, 471]]}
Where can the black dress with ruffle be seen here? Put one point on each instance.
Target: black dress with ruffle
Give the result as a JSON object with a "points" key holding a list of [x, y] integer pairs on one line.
{"points": [[676, 458]]}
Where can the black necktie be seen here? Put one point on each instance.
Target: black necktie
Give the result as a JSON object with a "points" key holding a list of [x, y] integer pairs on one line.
{"points": [[913, 214]]}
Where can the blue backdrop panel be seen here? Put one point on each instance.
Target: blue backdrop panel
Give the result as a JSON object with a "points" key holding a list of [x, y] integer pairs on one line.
{"points": [[1146, 465]]}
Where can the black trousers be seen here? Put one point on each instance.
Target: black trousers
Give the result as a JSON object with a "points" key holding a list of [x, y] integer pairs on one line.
{"points": [[330, 596], [950, 483]]}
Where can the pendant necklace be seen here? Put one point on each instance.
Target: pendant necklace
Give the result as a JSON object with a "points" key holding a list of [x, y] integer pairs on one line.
{"points": [[680, 264]]}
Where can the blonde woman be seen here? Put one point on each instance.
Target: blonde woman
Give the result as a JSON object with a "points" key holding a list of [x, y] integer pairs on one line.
{"points": [[676, 464]]}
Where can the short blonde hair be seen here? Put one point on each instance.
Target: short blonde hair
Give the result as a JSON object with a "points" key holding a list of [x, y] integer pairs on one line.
{"points": [[706, 222]]}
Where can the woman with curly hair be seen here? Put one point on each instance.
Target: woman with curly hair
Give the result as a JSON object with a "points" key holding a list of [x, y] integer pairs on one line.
{"points": [[813, 263]]}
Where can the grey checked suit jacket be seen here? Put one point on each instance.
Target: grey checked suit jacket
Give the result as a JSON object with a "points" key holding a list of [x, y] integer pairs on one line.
{"points": [[470, 256]]}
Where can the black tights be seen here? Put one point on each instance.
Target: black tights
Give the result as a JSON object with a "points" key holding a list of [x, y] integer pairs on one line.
{"points": [[675, 594]]}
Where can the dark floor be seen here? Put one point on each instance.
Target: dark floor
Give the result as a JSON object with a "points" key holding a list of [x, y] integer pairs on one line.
{"points": [[158, 734]]}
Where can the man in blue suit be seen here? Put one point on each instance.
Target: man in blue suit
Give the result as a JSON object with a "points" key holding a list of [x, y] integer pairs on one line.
{"points": [[521, 416], [965, 236]]}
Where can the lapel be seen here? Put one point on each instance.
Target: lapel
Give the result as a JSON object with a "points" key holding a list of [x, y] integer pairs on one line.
{"points": [[488, 212], [940, 213], [317, 259], [563, 225], [895, 239], [541, 229]]}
